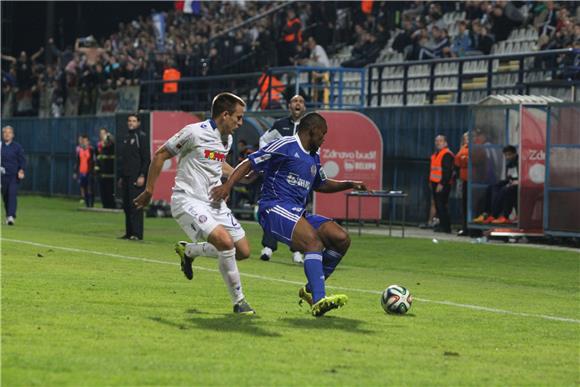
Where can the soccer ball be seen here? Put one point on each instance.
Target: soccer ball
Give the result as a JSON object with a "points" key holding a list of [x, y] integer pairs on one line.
{"points": [[396, 299]]}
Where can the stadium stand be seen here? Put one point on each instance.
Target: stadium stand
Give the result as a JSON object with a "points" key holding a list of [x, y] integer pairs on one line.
{"points": [[415, 53]]}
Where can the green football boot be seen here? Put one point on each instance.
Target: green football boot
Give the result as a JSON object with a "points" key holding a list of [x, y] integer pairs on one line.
{"points": [[328, 303], [305, 296]]}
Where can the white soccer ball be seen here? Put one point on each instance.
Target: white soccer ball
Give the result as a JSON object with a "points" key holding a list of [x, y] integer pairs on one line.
{"points": [[396, 299]]}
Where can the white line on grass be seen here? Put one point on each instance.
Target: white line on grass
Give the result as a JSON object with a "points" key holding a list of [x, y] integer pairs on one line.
{"points": [[264, 278]]}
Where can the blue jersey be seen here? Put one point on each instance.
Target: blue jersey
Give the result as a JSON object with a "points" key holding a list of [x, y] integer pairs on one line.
{"points": [[290, 172]]}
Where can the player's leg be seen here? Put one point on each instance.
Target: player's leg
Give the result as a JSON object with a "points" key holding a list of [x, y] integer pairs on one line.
{"points": [[337, 241], [269, 244], [224, 243]]}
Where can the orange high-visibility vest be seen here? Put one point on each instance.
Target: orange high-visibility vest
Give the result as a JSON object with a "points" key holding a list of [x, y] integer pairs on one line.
{"points": [[437, 166], [366, 6], [293, 36], [171, 74], [461, 160], [276, 93]]}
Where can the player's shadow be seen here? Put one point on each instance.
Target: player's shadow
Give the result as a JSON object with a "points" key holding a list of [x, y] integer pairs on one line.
{"points": [[248, 325], [326, 322], [222, 323]]}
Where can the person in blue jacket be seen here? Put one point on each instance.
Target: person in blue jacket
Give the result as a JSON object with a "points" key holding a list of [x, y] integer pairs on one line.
{"points": [[12, 169]]}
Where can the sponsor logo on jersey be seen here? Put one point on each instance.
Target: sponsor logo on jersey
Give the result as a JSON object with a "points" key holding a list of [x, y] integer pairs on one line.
{"points": [[202, 219], [313, 170], [294, 179], [214, 155]]}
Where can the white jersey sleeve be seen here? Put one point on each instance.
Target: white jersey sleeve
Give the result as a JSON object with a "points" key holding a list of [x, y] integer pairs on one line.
{"points": [[182, 141], [269, 136]]}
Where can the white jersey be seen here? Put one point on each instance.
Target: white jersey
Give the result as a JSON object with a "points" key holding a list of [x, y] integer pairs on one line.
{"points": [[201, 150]]}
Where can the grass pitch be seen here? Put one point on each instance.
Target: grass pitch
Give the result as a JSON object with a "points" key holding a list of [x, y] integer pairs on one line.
{"points": [[80, 307]]}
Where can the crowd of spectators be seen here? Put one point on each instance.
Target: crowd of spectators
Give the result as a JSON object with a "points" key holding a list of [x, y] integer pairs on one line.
{"points": [[58, 81], [425, 34]]}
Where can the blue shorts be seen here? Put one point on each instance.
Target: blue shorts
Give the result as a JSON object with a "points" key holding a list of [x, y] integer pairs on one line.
{"points": [[279, 220]]}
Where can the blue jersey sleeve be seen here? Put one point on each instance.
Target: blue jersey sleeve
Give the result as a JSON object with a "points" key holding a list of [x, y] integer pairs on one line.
{"points": [[262, 158], [320, 178]]}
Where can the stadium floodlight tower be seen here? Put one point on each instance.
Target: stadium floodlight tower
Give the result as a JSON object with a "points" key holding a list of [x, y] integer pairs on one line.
{"points": [[496, 122]]}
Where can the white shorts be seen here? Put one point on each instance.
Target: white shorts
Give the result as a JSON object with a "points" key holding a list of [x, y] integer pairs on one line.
{"points": [[198, 219]]}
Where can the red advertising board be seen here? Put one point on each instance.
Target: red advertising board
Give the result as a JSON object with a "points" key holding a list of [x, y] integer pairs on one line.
{"points": [[352, 150], [163, 126], [532, 168]]}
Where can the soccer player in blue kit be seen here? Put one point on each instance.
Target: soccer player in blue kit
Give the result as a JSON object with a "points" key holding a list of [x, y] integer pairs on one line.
{"points": [[291, 169]]}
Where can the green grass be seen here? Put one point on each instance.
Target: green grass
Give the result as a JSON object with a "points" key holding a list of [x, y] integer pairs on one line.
{"points": [[78, 318]]}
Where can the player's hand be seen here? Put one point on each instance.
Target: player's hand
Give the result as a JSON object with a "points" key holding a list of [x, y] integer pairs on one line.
{"points": [[439, 187], [219, 193], [140, 181], [359, 186], [142, 200], [21, 174]]}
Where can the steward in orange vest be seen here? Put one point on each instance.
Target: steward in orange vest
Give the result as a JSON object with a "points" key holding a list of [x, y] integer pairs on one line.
{"points": [[171, 74], [275, 94], [440, 177], [461, 162]]}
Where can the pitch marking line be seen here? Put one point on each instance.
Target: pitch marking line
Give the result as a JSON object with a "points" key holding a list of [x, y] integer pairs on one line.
{"points": [[264, 278]]}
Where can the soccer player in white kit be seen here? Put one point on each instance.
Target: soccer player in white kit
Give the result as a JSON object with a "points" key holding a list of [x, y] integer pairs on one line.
{"points": [[202, 149]]}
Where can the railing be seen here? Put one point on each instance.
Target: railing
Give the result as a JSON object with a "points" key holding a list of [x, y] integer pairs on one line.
{"points": [[323, 87], [448, 80], [196, 93]]}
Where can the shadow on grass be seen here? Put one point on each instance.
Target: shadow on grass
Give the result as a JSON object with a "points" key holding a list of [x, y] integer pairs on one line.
{"points": [[220, 323], [326, 322]]}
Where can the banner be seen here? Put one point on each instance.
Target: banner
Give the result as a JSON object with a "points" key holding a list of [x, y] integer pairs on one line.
{"points": [[163, 126], [532, 168], [159, 25], [123, 99], [352, 150]]}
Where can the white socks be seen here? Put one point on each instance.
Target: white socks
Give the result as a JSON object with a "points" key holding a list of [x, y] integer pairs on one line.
{"points": [[205, 249], [267, 251], [231, 275]]}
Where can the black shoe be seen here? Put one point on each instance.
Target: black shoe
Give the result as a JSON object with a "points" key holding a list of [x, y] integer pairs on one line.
{"points": [[124, 237], [265, 257], [186, 261], [135, 238]]}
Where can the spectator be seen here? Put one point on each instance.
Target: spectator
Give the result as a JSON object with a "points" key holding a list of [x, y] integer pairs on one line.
{"points": [[320, 79], [12, 166], [462, 42], [500, 198], [433, 48], [461, 163], [105, 168], [368, 53], [291, 37], [441, 180], [84, 170]]}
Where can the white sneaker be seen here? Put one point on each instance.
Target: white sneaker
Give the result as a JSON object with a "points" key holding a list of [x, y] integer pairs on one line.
{"points": [[297, 257], [266, 254], [10, 221]]}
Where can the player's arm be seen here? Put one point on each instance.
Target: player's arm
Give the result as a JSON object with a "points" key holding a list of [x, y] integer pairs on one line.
{"points": [[223, 191], [331, 186], [155, 168]]}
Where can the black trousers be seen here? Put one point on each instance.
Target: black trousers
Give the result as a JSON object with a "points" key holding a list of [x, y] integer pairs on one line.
{"points": [[106, 187], [133, 216], [9, 193], [442, 206], [464, 204]]}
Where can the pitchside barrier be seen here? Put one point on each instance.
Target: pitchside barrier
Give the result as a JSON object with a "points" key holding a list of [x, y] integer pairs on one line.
{"points": [[562, 187]]}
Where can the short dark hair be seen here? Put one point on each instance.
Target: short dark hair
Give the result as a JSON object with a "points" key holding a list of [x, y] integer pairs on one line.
{"points": [[311, 121], [134, 115], [225, 102], [509, 149], [84, 135]]}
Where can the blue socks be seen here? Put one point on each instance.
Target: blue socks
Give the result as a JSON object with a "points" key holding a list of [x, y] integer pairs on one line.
{"points": [[315, 275], [330, 260]]}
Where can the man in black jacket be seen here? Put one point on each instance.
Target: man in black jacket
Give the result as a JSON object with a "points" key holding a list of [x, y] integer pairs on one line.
{"points": [[133, 166], [282, 127]]}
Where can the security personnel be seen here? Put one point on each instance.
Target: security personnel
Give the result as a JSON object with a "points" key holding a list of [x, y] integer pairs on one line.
{"points": [[291, 37], [134, 159], [12, 167], [441, 179], [105, 168], [282, 127]]}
